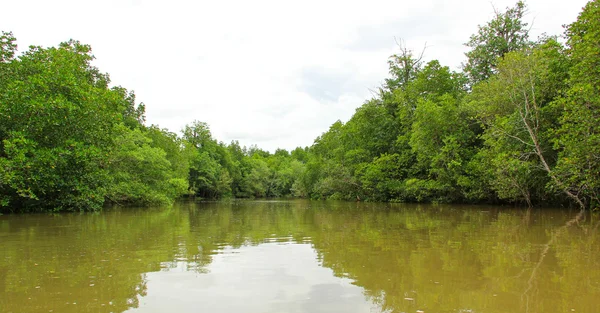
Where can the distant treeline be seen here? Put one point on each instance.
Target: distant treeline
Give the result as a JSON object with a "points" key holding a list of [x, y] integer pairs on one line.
{"points": [[519, 124]]}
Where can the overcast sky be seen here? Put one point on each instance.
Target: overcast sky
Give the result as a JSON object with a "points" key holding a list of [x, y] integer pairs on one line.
{"points": [[271, 73]]}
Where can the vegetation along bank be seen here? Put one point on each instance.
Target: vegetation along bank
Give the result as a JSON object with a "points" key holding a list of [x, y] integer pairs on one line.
{"points": [[519, 124]]}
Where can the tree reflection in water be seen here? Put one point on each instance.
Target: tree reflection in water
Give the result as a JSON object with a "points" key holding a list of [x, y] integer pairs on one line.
{"points": [[404, 258]]}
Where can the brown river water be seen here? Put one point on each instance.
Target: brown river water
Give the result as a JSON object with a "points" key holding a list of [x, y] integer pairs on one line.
{"points": [[301, 256]]}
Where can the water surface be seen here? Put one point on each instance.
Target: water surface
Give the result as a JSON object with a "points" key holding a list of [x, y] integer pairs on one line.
{"points": [[301, 256]]}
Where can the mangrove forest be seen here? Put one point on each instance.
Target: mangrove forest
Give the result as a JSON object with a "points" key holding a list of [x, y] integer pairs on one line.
{"points": [[519, 123]]}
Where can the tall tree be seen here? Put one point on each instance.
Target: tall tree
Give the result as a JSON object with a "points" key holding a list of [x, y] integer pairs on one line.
{"points": [[515, 107], [579, 135], [403, 67], [57, 118], [506, 32]]}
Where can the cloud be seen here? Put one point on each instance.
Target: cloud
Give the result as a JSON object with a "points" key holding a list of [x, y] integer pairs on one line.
{"points": [[326, 85]]}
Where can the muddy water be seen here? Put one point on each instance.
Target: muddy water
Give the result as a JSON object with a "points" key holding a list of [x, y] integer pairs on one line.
{"points": [[301, 256]]}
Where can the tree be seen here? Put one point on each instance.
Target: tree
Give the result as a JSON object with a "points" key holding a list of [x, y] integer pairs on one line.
{"points": [[8, 47], [381, 180], [57, 122], [443, 144], [579, 135], [506, 32], [141, 173], [514, 106], [176, 152], [197, 134], [403, 67], [370, 132]]}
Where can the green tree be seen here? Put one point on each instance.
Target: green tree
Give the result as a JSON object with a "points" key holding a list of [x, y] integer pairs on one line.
{"points": [[141, 173], [403, 68], [506, 32], [216, 170], [381, 180], [579, 136], [8, 47], [514, 107], [443, 144], [57, 118]]}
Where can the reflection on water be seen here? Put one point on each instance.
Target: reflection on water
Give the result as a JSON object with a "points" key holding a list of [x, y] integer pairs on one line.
{"points": [[268, 277], [300, 256]]}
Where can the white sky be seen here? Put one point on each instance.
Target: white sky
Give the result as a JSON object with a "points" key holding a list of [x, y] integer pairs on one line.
{"points": [[270, 73]]}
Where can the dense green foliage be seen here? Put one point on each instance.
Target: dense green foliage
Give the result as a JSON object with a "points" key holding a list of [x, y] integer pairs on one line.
{"points": [[519, 124], [69, 142], [578, 136]]}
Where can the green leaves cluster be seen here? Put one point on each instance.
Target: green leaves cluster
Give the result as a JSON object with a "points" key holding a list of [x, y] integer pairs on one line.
{"points": [[506, 32], [70, 142], [578, 133], [218, 170]]}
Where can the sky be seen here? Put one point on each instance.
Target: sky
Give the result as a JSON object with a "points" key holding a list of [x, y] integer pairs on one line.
{"points": [[271, 73]]}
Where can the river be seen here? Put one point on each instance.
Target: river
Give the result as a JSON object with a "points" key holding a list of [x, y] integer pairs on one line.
{"points": [[301, 256]]}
